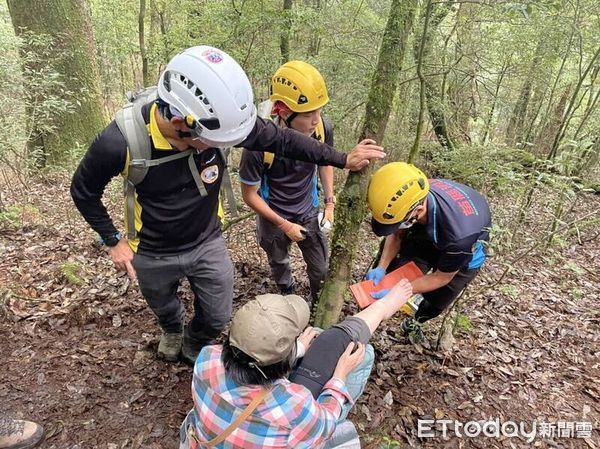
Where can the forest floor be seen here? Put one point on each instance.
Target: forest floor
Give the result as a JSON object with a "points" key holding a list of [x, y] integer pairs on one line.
{"points": [[78, 343]]}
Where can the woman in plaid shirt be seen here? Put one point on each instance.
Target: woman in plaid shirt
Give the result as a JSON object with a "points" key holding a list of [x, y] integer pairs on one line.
{"points": [[267, 336]]}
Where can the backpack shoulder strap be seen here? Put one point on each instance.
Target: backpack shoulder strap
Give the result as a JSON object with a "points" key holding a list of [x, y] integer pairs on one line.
{"points": [[133, 127], [268, 159], [131, 124], [325, 128]]}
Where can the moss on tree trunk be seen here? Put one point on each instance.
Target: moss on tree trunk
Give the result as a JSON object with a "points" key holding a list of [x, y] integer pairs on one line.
{"points": [[73, 56], [351, 207]]}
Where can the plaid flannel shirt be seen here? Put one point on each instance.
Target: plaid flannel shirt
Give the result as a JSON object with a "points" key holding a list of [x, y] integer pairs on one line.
{"points": [[288, 416]]}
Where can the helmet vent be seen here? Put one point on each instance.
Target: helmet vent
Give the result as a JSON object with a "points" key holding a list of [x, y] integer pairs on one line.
{"points": [[167, 81], [197, 92], [387, 216], [302, 99]]}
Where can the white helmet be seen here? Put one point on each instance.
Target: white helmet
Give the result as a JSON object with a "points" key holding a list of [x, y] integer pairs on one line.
{"points": [[212, 93]]}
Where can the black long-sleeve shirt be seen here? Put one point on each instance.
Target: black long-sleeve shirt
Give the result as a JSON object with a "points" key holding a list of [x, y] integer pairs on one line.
{"points": [[172, 214]]}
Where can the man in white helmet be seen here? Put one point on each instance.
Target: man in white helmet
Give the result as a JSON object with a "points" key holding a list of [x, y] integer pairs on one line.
{"points": [[204, 103]]}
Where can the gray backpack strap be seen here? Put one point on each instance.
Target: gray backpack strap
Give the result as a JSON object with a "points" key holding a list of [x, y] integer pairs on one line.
{"points": [[195, 175], [129, 191], [154, 162], [132, 126], [129, 186]]}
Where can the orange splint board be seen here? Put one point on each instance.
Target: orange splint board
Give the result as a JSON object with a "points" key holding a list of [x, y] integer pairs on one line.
{"points": [[362, 290]]}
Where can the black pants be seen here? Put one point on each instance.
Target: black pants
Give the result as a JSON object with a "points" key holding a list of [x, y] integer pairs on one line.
{"points": [[314, 251], [318, 364], [418, 249]]}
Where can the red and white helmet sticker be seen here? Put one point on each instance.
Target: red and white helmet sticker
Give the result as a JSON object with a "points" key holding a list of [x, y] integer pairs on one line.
{"points": [[213, 56]]}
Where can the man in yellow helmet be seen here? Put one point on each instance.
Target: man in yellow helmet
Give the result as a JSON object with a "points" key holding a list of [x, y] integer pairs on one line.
{"points": [[284, 192], [438, 224]]}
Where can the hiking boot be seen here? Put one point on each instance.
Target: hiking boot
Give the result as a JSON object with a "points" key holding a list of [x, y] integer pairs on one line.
{"points": [[413, 330], [19, 434], [191, 347], [170, 346]]}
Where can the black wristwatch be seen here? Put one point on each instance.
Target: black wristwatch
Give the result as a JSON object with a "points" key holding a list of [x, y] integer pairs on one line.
{"points": [[112, 240]]}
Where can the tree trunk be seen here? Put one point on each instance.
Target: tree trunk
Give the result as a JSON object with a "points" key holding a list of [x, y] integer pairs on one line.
{"points": [[73, 56], [315, 40], [568, 115], [546, 116], [514, 130], [142, 36], [548, 132], [431, 85], [591, 104], [352, 207], [462, 90], [284, 39], [160, 34], [490, 117], [422, 85]]}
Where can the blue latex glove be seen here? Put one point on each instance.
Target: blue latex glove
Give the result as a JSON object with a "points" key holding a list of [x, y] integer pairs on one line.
{"points": [[375, 275], [380, 293]]}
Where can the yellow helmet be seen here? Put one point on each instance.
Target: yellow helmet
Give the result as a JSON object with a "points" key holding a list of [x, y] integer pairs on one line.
{"points": [[300, 86], [394, 191]]}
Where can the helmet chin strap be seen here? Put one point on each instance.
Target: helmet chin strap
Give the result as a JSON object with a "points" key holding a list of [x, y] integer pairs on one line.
{"points": [[408, 223], [183, 134], [288, 121]]}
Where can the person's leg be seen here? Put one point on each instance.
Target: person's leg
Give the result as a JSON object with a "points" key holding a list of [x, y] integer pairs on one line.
{"points": [[158, 278], [358, 377], [345, 436], [357, 380], [210, 272], [318, 364], [186, 429], [276, 245], [314, 252], [436, 301], [320, 360]]}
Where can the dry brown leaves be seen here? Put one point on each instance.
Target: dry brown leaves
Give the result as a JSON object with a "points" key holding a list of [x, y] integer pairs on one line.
{"points": [[78, 352]]}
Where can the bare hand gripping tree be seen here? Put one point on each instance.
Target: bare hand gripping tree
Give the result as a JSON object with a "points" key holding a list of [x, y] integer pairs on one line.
{"points": [[352, 206]]}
